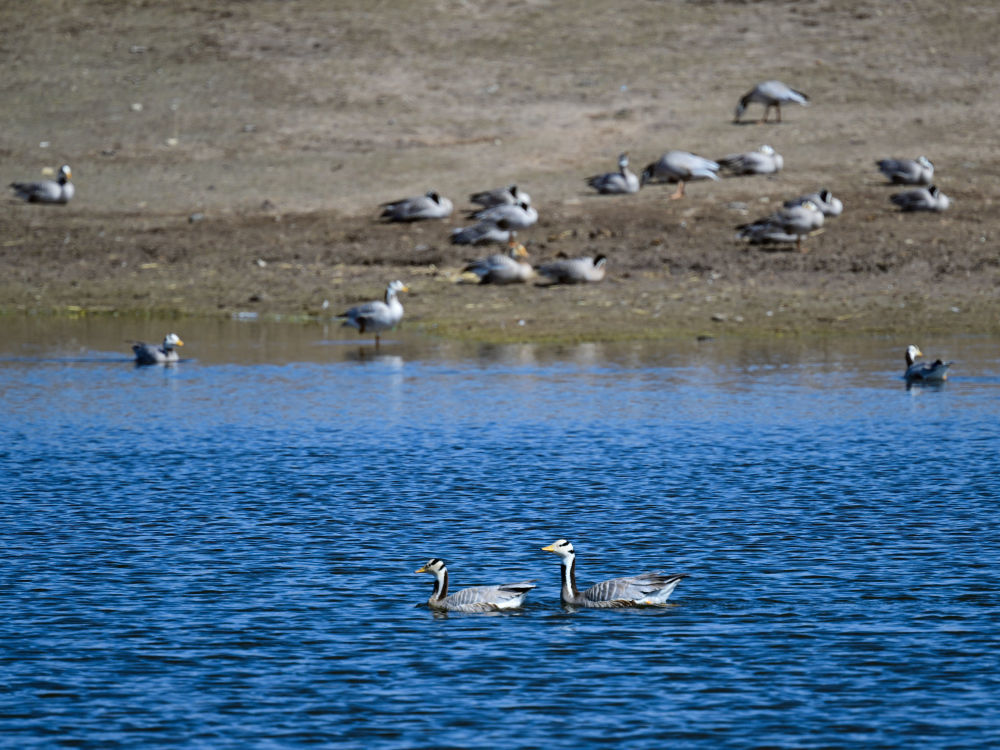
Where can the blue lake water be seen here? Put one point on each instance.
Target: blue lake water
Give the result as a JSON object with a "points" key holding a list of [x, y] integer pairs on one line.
{"points": [[221, 553]]}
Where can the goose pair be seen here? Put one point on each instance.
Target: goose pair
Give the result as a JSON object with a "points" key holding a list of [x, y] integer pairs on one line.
{"points": [[787, 224], [644, 590], [926, 372], [823, 200], [59, 190], [431, 205], [151, 354], [378, 315], [495, 224], [772, 94], [616, 183]]}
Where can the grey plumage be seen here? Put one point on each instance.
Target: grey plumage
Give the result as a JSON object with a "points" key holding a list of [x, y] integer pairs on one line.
{"points": [[787, 224], [503, 268], [680, 167], [510, 216], [481, 233], [770, 94], [921, 199], [59, 190], [476, 598], [151, 354], [506, 196], [431, 205], [824, 200], [377, 316], [616, 183], [645, 589], [764, 160], [919, 171], [927, 372], [574, 270]]}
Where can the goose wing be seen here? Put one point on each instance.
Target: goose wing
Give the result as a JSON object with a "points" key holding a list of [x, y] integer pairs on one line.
{"points": [[488, 598], [645, 588]]}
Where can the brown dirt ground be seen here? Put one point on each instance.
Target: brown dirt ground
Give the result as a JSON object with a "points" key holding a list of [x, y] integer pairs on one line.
{"points": [[285, 124]]}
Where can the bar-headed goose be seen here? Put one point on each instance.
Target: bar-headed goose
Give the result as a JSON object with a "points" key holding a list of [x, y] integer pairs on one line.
{"points": [[481, 233], [512, 216], [770, 94], [764, 160], [430, 205], [151, 354], [921, 199], [616, 183], [574, 270], [476, 598], [507, 196], [377, 316], [919, 171], [928, 372], [59, 190], [787, 224], [503, 268], [644, 590], [824, 201], [680, 167]]}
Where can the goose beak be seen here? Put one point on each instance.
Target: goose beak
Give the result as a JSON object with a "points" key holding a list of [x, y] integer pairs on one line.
{"points": [[550, 548], [421, 569], [180, 343]]}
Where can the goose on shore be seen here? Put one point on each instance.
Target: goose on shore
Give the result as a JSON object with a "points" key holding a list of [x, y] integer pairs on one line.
{"points": [[476, 598], [787, 224], [431, 205], [151, 354], [377, 316], [507, 196], [59, 190], [680, 167], [644, 590], [574, 270], [927, 372], [921, 199], [824, 201], [511, 216], [770, 94], [503, 268], [764, 160], [481, 233], [919, 171], [616, 183]]}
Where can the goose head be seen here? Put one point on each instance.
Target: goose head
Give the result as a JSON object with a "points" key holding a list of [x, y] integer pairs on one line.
{"points": [[171, 340], [765, 149], [65, 174], [623, 160], [562, 548], [434, 566], [912, 352], [925, 162]]}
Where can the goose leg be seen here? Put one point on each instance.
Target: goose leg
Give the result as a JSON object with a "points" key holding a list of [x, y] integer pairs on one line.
{"points": [[679, 192]]}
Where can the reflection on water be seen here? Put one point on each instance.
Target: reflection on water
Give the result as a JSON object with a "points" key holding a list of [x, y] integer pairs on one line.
{"points": [[220, 552]]}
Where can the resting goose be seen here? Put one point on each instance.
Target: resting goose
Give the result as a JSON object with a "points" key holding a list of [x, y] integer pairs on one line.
{"points": [[921, 199], [431, 205], [377, 316], [764, 160], [151, 354], [787, 224], [616, 183], [644, 590], [917, 171], [476, 598], [770, 94], [680, 167], [574, 270], [481, 233], [507, 196], [503, 268], [59, 190], [824, 201], [512, 216], [928, 372]]}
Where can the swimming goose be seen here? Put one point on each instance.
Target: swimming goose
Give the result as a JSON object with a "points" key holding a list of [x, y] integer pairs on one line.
{"points": [[680, 167], [764, 160], [59, 190], [928, 372], [503, 268], [431, 205], [770, 94], [574, 270], [475, 599], [646, 589], [511, 216], [824, 201], [917, 171], [481, 233], [151, 354], [787, 224], [615, 183], [377, 316], [507, 196], [921, 199]]}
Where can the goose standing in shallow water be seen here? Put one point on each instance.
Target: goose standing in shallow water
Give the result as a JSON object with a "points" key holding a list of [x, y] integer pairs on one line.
{"points": [[507, 196], [503, 268], [921, 199], [644, 590], [927, 372], [824, 201], [680, 167], [151, 354], [574, 270], [431, 205], [476, 598], [770, 94], [59, 190], [764, 160], [917, 171], [616, 183], [787, 224], [377, 316]]}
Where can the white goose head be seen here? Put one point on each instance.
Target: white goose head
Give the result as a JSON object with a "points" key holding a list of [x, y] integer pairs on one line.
{"points": [[65, 174], [171, 340], [434, 566], [562, 548], [912, 352], [394, 288]]}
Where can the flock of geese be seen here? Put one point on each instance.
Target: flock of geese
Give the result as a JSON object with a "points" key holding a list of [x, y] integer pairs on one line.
{"points": [[643, 590]]}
